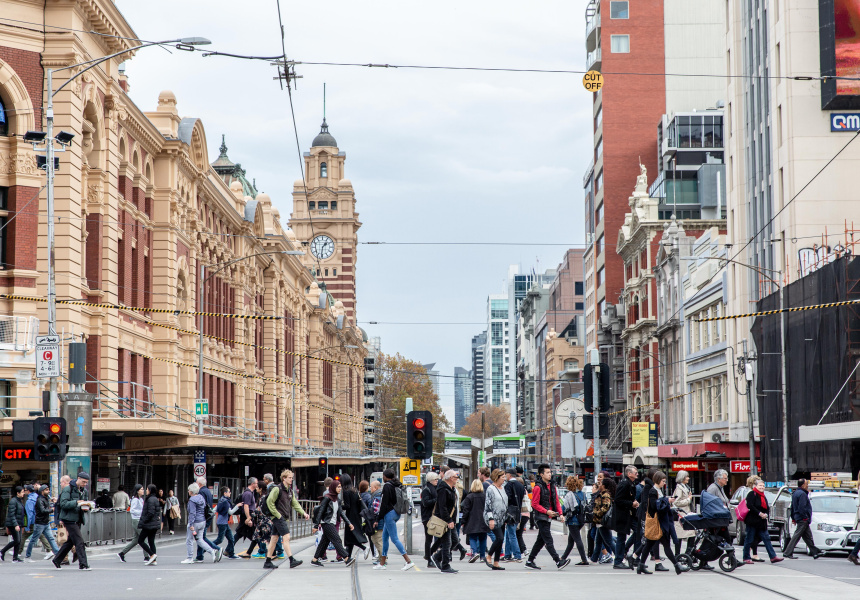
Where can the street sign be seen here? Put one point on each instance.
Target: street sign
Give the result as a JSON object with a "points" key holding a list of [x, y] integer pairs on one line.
{"points": [[47, 356], [458, 444], [592, 81], [200, 463], [201, 408], [200, 470], [508, 444], [410, 471]]}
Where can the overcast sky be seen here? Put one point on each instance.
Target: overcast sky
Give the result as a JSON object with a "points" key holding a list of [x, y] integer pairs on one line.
{"points": [[433, 155]]}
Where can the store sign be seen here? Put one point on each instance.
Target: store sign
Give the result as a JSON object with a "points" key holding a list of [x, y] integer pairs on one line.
{"points": [[844, 122], [743, 466], [689, 465], [644, 434], [18, 453]]}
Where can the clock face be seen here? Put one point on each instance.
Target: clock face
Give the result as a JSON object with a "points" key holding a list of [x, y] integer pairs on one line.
{"points": [[322, 246]]}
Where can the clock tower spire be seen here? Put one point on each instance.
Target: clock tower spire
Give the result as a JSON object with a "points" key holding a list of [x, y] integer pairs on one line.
{"points": [[325, 221]]}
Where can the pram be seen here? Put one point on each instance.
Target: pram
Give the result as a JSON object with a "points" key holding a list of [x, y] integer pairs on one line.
{"points": [[709, 546]]}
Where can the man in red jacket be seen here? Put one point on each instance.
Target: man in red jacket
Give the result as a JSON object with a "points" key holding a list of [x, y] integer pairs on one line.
{"points": [[547, 507]]}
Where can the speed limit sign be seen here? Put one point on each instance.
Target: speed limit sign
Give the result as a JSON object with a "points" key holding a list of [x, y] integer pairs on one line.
{"points": [[200, 470]]}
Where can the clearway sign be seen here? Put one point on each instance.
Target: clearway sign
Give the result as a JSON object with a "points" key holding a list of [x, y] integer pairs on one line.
{"points": [[47, 356]]}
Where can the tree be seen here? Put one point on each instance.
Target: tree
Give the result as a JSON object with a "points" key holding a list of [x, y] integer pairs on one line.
{"points": [[398, 378], [497, 421]]}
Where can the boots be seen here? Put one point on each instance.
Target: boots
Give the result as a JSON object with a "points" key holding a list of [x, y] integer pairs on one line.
{"points": [[643, 568], [269, 564]]}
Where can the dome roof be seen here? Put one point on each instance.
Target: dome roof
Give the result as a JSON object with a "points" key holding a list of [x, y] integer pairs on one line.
{"points": [[324, 138]]}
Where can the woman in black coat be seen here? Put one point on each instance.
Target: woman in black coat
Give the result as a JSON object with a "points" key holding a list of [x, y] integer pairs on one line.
{"points": [[756, 523], [150, 523], [658, 506], [352, 506], [428, 501], [474, 526]]}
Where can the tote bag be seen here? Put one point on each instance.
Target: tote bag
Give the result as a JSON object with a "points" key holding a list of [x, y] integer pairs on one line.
{"points": [[653, 531], [742, 510]]}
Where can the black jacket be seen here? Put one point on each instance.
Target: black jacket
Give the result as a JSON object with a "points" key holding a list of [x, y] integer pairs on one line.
{"points": [[625, 496], [473, 514], [352, 508], [801, 507], [150, 516], [428, 501], [327, 510], [515, 491], [43, 510], [755, 507], [446, 501], [15, 513], [389, 497], [647, 485]]}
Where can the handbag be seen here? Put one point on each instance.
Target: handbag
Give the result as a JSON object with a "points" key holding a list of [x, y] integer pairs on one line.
{"points": [[436, 526], [653, 531], [608, 518], [742, 510], [175, 512]]}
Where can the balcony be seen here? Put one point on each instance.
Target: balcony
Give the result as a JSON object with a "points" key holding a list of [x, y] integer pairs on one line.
{"points": [[18, 333], [592, 32], [593, 61]]}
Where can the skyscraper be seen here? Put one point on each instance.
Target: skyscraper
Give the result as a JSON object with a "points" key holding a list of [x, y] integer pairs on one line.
{"points": [[497, 370], [479, 343], [463, 400], [434, 377]]}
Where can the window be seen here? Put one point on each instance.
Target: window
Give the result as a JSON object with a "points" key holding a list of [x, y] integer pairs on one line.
{"points": [[323, 170], [598, 120], [333, 204], [4, 124], [600, 277], [598, 183], [496, 334], [579, 306], [5, 396], [599, 151], [334, 272], [312, 205], [619, 44], [599, 245], [326, 272], [619, 10], [323, 205], [598, 216], [578, 288]]}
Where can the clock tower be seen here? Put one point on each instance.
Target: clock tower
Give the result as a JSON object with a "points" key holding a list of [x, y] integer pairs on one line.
{"points": [[325, 221]]}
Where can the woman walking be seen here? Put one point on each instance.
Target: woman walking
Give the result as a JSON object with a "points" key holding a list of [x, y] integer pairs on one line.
{"points": [[197, 526], [473, 521], [162, 503], [172, 514], [223, 510], [352, 507], [756, 523], [683, 500], [495, 508], [330, 509], [150, 523], [135, 508], [659, 527], [602, 524], [14, 524], [428, 501], [573, 500]]}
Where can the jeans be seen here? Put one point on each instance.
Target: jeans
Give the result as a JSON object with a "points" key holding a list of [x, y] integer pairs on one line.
{"points": [[802, 531], [620, 548], [389, 532], [25, 534], [763, 535], [197, 539], [206, 541], [39, 531], [512, 545], [602, 539], [478, 543], [225, 531]]}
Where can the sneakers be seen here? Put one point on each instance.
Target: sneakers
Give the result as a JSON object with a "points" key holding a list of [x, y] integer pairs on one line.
{"points": [[198, 560], [84, 568], [317, 563], [531, 565], [584, 563], [48, 556], [475, 558], [295, 563], [605, 559], [269, 564], [790, 556], [233, 557], [280, 556], [349, 562], [853, 558], [449, 570], [120, 556], [379, 567], [435, 560], [660, 567], [28, 559], [187, 561], [17, 560], [55, 563], [258, 555], [407, 566], [562, 563], [151, 561]]}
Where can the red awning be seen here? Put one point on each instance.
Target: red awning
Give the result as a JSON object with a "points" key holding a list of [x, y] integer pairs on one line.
{"points": [[729, 449]]}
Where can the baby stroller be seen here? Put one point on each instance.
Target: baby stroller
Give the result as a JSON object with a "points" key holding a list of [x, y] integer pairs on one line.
{"points": [[709, 546]]}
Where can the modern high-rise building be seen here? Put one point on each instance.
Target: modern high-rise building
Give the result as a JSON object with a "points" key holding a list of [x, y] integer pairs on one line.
{"points": [[434, 377], [463, 400], [647, 36], [479, 343], [497, 362]]}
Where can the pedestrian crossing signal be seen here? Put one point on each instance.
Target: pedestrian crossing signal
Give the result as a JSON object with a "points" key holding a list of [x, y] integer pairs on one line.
{"points": [[49, 438]]}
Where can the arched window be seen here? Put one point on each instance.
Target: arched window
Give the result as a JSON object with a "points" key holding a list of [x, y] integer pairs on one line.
{"points": [[4, 123], [323, 170]]}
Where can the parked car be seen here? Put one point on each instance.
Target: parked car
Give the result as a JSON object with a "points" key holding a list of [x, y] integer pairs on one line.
{"points": [[832, 524], [738, 530]]}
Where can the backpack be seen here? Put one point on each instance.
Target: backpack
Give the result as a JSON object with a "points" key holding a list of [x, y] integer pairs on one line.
{"points": [[401, 504], [264, 507], [316, 513]]}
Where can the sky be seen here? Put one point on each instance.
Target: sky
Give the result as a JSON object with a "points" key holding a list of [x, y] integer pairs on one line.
{"points": [[435, 156]]}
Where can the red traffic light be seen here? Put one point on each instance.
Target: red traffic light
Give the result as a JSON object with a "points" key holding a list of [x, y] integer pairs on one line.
{"points": [[337, 477], [55, 428], [418, 423], [322, 461]]}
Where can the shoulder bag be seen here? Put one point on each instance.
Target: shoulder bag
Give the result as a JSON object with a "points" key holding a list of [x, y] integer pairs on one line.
{"points": [[653, 531], [436, 526]]}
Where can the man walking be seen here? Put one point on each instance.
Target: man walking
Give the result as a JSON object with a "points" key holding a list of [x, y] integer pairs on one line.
{"points": [[515, 492], [30, 511], [389, 516], [249, 507], [71, 502], [625, 516], [280, 501], [268, 484], [42, 524], [121, 500], [446, 507], [546, 507], [206, 494], [801, 514]]}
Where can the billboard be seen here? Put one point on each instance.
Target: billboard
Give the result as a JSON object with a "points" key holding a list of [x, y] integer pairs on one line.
{"points": [[839, 39]]}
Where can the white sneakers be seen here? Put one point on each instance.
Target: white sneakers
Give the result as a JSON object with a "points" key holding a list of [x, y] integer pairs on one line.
{"points": [[151, 561], [48, 556], [379, 567], [187, 561], [407, 566]]}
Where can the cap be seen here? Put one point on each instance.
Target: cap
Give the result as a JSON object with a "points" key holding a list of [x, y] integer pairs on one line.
{"points": [[511, 471], [84, 475], [29, 488]]}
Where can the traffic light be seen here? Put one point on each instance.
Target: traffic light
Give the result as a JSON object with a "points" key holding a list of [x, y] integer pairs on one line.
{"points": [[588, 427], [49, 438], [603, 387], [323, 468], [419, 434]]}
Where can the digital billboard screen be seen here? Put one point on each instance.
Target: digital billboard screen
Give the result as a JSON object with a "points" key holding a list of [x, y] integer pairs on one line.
{"points": [[839, 37]]}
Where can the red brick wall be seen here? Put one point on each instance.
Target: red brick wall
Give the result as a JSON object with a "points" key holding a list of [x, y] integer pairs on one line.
{"points": [[23, 232], [94, 251], [28, 66], [94, 358]]}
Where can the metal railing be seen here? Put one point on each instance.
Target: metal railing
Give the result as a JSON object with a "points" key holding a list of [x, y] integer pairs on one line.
{"points": [[18, 333], [108, 526]]}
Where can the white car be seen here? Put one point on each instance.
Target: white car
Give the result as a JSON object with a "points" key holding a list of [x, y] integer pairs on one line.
{"points": [[833, 516]]}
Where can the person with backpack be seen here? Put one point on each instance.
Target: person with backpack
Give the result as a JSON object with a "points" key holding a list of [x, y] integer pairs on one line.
{"points": [[279, 502], [574, 516], [547, 508], [515, 492], [325, 519], [428, 501], [42, 523], [268, 484], [394, 503], [625, 516]]}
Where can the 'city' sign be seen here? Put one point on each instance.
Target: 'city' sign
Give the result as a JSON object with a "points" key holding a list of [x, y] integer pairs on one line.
{"points": [[844, 121], [17, 453]]}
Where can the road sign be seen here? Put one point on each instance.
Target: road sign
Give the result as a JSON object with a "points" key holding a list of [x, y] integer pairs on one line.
{"points": [[200, 470], [574, 404], [201, 408], [593, 81], [200, 463], [410, 471], [508, 444], [47, 356]]}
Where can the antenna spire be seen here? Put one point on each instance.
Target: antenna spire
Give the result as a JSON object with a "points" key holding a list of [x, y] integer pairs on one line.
{"points": [[323, 101]]}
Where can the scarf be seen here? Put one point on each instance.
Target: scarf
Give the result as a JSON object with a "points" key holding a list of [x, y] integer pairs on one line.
{"points": [[332, 490], [761, 498]]}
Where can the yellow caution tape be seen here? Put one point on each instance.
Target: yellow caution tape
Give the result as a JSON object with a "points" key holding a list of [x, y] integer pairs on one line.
{"points": [[780, 310]]}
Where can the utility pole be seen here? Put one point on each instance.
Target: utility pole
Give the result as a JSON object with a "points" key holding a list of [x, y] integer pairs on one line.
{"points": [[407, 522], [573, 440], [748, 376], [782, 317], [52, 288], [595, 382]]}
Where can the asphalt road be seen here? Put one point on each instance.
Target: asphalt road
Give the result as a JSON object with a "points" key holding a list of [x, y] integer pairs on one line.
{"points": [[246, 579]]}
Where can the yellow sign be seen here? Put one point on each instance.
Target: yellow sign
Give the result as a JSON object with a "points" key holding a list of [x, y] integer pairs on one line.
{"points": [[593, 81], [410, 471], [640, 434]]}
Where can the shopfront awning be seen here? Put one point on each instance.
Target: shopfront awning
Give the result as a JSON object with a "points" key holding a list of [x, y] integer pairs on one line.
{"points": [[705, 450], [830, 432]]}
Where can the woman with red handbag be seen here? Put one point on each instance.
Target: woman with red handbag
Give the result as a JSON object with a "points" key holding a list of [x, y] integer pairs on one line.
{"points": [[756, 523]]}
